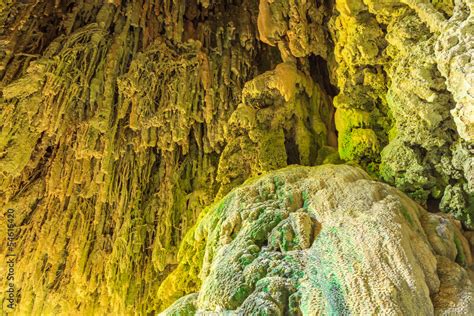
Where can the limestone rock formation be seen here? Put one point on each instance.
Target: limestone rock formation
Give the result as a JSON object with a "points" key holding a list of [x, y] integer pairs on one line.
{"points": [[404, 110], [324, 240], [122, 121], [454, 52]]}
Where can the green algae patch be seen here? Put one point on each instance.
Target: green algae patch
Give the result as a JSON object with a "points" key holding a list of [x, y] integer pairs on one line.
{"points": [[460, 257], [407, 215], [335, 298]]}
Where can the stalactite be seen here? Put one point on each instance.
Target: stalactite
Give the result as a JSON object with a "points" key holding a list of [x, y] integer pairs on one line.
{"points": [[123, 123], [127, 111]]}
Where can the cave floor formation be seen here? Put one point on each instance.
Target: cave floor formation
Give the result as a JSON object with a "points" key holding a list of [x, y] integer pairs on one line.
{"points": [[324, 240], [246, 157]]}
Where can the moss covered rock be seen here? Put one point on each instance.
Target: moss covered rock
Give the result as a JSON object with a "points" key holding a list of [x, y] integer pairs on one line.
{"points": [[403, 110]]}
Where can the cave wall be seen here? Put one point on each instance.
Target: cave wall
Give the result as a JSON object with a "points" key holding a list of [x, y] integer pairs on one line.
{"points": [[397, 112], [122, 120]]}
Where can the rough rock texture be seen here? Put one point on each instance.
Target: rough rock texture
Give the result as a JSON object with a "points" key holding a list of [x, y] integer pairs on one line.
{"points": [[454, 53], [118, 127], [281, 121], [404, 108], [326, 240], [121, 120], [293, 26]]}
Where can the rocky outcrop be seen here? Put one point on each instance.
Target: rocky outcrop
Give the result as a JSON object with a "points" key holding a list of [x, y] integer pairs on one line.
{"points": [[285, 118], [322, 240], [454, 51], [403, 109], [295, 27], [121, 121]]}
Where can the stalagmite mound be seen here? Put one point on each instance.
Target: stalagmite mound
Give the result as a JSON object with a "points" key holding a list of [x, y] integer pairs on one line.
{"points": [[324, 240]]}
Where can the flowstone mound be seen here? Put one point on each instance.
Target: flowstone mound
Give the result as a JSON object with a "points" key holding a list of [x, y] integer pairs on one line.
{"points": [[321, 241]]}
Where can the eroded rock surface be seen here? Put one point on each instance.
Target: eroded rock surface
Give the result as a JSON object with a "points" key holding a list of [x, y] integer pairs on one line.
{"points": [[120, 121], [404, 108], [318, 241]]}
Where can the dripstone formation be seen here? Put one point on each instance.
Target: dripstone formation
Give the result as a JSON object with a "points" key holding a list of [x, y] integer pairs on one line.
{"points": [[325, 240], [128, 127]]}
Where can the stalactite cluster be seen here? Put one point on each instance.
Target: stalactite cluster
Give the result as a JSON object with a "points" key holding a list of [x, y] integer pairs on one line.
{"points": [[123, 121], [115, 135]]}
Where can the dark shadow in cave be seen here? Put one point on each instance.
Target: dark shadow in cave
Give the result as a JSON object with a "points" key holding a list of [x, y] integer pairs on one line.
{"points": [[320, 74], [292, 152]]}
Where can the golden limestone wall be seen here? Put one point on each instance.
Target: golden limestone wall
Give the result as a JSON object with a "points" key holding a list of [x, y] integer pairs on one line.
{"points": [[115, 135], [120, 121]]}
